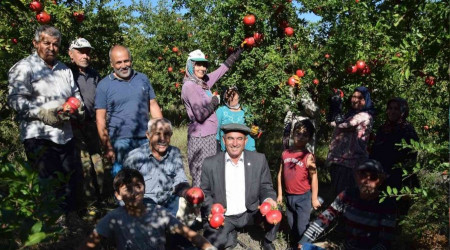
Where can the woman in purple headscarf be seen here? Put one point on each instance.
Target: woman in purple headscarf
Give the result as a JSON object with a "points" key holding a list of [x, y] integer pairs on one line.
{"points": [[393, 131], [348, 147]]}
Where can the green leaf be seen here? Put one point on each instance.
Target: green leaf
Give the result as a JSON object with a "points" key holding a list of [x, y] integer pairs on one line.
{"points": [[382, 199], [35, 238], [395, 191], [389, 190], [37, 227], [407, 73], [424, 192]]}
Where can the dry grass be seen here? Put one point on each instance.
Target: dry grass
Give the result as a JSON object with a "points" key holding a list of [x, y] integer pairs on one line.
{"points": [[179, 140]]}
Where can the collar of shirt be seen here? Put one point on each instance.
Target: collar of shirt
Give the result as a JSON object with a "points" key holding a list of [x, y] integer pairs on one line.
{"points": [[113, 77], [56, 62], [228, 159], [150, 153]]}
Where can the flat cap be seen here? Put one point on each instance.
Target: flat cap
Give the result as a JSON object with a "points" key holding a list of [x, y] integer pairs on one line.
{"points": [[371, 165], [235, 127]]}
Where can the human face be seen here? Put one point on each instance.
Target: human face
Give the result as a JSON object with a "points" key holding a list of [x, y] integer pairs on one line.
{"points": [[131, 194], [393, 112], [234, 101], [159, 139], [200, 69], [358, 101], [368, 183], [81, 57], [301, 138], [47, 48], [121, 63], [235, 144]]}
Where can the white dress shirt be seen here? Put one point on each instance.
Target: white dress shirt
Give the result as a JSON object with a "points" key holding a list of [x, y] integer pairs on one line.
{"points": [[235, 185]]}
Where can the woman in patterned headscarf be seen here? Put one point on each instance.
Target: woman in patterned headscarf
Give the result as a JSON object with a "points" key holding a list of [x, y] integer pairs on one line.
{"points": [[348, 147], [395, 129], [200, 105]]}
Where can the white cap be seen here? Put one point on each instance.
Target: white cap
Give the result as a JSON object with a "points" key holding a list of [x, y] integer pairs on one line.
{"points": [[80, 43], [197, 56]]}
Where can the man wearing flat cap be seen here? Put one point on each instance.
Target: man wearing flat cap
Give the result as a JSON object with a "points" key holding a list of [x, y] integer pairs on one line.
{"points": [[240, 181]]}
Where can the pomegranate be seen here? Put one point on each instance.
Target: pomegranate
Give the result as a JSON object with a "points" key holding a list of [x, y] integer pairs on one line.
{"points": [[195, 195], [273, 217], [217, 208], [264, 208], [216, 220]]}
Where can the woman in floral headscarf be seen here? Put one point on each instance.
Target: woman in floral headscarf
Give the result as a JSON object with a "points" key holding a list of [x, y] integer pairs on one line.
{"points": [[200, 105], [348, 147], [393, 131]]}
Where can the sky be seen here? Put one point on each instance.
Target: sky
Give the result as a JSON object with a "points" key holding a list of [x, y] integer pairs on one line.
{"points": [[310, 17]]}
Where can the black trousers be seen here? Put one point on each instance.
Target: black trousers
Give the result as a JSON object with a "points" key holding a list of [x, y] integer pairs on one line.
{"points": [[226, 235], [342, 177], [48, 158]]}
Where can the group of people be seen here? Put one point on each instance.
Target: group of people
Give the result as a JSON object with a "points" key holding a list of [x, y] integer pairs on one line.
{"points": [[113, 120]]}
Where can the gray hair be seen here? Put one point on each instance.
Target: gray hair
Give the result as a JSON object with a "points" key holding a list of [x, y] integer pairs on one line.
{"points": [[116, 46], [49, 30], [152, 124]]}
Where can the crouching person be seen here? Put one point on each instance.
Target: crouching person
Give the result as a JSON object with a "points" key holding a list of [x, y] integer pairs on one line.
{"points": [[161, 165], [135, 225], [239, 180], [369, 224]]}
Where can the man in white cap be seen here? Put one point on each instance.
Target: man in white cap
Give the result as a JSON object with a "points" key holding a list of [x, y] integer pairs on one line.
{"points": [[85, 132]]}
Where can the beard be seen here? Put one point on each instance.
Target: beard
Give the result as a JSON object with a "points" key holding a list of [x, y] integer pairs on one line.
{"points": [[121, 74], [367, 190]]}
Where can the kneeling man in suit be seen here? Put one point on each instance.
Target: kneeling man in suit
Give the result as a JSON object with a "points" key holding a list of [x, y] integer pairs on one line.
{"points": [[240, 180]]}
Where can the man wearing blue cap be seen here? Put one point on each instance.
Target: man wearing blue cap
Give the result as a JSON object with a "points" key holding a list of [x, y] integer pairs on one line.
{"points": [[240, 181]]}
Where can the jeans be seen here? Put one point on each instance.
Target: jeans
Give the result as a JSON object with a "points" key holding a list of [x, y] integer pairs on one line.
{"points": [[298, 212]]}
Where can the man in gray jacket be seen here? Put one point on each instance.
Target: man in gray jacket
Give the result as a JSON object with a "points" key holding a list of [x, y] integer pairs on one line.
{"points": [[240, 181], [38, 87]]}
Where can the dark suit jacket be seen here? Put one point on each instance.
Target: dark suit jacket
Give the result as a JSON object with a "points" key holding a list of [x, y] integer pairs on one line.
{"points": [[258, 181]]}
